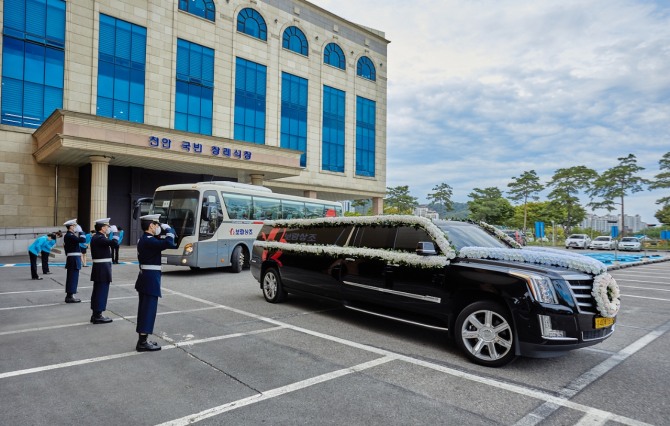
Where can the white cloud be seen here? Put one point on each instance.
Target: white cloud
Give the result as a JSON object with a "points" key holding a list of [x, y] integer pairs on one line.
{"points": [[482, 90]]}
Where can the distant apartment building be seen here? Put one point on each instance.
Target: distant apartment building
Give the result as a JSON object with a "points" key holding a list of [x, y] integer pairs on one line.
{"points": [[604, 224], [424, 211]]}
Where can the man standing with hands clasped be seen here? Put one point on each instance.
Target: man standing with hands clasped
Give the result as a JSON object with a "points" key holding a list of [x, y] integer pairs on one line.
{"points": [[101, 274], [71, 240], [148, 284]]}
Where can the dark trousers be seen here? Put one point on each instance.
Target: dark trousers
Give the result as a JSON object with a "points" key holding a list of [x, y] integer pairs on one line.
{"points": [[33, 265], [99, 296], [115, 255], [45, 262], [146, 313], [71, 280]]}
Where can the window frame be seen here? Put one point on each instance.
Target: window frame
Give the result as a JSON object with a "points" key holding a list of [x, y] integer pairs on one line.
{"points": [[250, 13]]}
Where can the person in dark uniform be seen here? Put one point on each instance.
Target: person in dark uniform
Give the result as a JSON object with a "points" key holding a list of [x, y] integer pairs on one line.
{"points": [[71, 241], [101, 273], [148, 284]]}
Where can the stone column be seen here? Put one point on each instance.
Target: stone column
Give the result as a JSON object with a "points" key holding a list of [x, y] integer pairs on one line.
{"points": [[309, 194], [256, 179], [99, 177], [377, 205]]}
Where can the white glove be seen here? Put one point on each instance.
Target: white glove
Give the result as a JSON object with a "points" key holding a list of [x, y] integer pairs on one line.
{"points": [[165, 226], [115, 237], [78, 229], [113, 228]]}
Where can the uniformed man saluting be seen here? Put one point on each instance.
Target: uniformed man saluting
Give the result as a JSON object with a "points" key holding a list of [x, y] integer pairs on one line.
{"points": [[101, 274], [148, 284], [71, 240]]}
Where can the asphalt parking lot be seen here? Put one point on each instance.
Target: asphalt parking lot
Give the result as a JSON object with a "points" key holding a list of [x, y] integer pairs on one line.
{"points": [[231, 358]]}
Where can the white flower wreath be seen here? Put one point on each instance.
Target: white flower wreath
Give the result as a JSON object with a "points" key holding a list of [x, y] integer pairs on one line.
{"points": [[606, 292]]}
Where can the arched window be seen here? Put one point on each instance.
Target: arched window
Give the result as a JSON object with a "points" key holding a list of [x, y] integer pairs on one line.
{"points": [[366, 69], [295, 40], [202, 8], [252, 23], [333, 55]]}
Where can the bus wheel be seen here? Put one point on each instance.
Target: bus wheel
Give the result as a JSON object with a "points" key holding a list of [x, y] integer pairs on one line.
{"points": [[273, 291], [237, 260]]}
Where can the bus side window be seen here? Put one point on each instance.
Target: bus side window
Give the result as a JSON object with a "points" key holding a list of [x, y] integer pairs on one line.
{"points": [[237, 206]]}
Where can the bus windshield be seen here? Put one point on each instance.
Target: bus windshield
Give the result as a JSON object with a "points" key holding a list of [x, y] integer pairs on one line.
{"points": [[178, 208]]}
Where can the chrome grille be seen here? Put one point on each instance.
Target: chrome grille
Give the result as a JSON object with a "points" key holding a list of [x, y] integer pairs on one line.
{"points": [[581, 290]]}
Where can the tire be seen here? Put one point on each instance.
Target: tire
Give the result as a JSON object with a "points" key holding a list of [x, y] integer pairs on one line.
{"points": [[237, 260], [273, 290], [484, 333]]}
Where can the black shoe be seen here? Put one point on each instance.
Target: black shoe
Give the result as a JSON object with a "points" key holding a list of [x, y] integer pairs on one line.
{"points": [[48, 273], [37, 278], [147, 346], [71, 299], [100, 320]]}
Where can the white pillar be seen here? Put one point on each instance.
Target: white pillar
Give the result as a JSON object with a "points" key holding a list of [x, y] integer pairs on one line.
{"points": [[377, 205], [99, 177]]}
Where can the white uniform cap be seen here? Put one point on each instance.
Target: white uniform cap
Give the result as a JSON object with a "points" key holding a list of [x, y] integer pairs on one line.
{"points": [[104, 221], [151, 217], [70, 222]]}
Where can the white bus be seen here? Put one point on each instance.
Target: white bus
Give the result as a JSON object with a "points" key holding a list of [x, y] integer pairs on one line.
{"points": [[217, 222]]}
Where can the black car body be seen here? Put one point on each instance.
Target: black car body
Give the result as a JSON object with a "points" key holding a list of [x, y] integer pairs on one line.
{"points": [[497, 300]]}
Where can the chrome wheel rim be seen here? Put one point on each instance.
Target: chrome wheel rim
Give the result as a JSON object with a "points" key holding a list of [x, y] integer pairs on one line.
{"points": [[487, 335], [270, 285]]}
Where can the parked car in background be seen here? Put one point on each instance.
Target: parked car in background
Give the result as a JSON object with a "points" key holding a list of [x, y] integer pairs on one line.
{"points": [[630, 244], [517, 236], [603, 242], [581, 241], [497, 302]]}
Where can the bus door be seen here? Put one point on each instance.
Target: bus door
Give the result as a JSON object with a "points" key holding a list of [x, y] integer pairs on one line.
{"points": [[212, 251]]}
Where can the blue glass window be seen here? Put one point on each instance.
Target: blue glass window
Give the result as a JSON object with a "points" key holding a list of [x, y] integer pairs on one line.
{"points": [[294, 114], [250, 79], [333, 129], [333, 55], [202, 8], [121, 65], [365, 136], [195, 88], [33, 60], [294, 39], [366, 69], [252, 23]]}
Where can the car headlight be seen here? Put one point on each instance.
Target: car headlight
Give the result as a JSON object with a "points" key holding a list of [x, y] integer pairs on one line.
{"points": [[540, 286]]}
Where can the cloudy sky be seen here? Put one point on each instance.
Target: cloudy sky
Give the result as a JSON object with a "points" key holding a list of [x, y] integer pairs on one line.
{"points": [[480, 91]]}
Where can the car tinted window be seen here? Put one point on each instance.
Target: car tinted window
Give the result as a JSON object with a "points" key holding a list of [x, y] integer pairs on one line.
{"points": [[462, 234], [408, 237], [576, 237], [375, 236], [326, 235]]}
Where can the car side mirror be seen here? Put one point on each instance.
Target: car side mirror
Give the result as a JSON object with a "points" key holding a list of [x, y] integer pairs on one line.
{"points": [[426, 248]]}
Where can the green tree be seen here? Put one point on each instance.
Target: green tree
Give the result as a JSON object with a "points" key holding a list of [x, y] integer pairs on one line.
{"points": [[524, 187], [533, 212], [662, 180], [442, 196], [566, 184], [616, 183], [488, 205], [398, 201], [663, 215]]}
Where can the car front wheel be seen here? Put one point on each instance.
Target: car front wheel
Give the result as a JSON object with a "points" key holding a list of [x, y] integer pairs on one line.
{"points": [[484, 333], [273, 290]]}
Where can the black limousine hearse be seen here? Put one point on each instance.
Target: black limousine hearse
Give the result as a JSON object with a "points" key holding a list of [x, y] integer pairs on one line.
{"points": [[495, 299]]}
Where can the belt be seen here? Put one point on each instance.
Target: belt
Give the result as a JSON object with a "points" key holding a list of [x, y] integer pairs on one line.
{"points": [[102, 260], [74, 254], [151, 267]]}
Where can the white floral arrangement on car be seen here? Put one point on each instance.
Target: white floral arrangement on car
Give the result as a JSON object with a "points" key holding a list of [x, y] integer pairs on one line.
{"points": [[606, 293]]}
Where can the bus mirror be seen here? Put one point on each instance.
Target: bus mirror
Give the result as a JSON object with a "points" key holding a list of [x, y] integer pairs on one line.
{"points": [[208, 213]]}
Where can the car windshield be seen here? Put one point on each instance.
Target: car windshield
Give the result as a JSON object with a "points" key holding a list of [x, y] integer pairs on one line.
{"points": [[602, 238], [462, 234], [576, 237], [629, 240]]}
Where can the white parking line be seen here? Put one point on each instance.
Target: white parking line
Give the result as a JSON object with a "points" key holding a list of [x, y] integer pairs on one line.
{"points": [[62, 303], [272, 393], [618, 280], [127, 354], [644, 288], [645, 297]]}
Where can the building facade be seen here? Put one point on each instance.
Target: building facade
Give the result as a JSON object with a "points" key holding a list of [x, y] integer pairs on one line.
{"points": [[105, 100], [603, 224]]}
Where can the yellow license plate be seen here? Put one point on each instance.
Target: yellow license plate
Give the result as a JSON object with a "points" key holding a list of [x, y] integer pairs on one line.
{"points": [[604, 322]]}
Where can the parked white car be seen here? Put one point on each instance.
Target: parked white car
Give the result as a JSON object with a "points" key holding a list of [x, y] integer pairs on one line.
{"points": [[603, 243], [581, 241], [630, 244]]}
